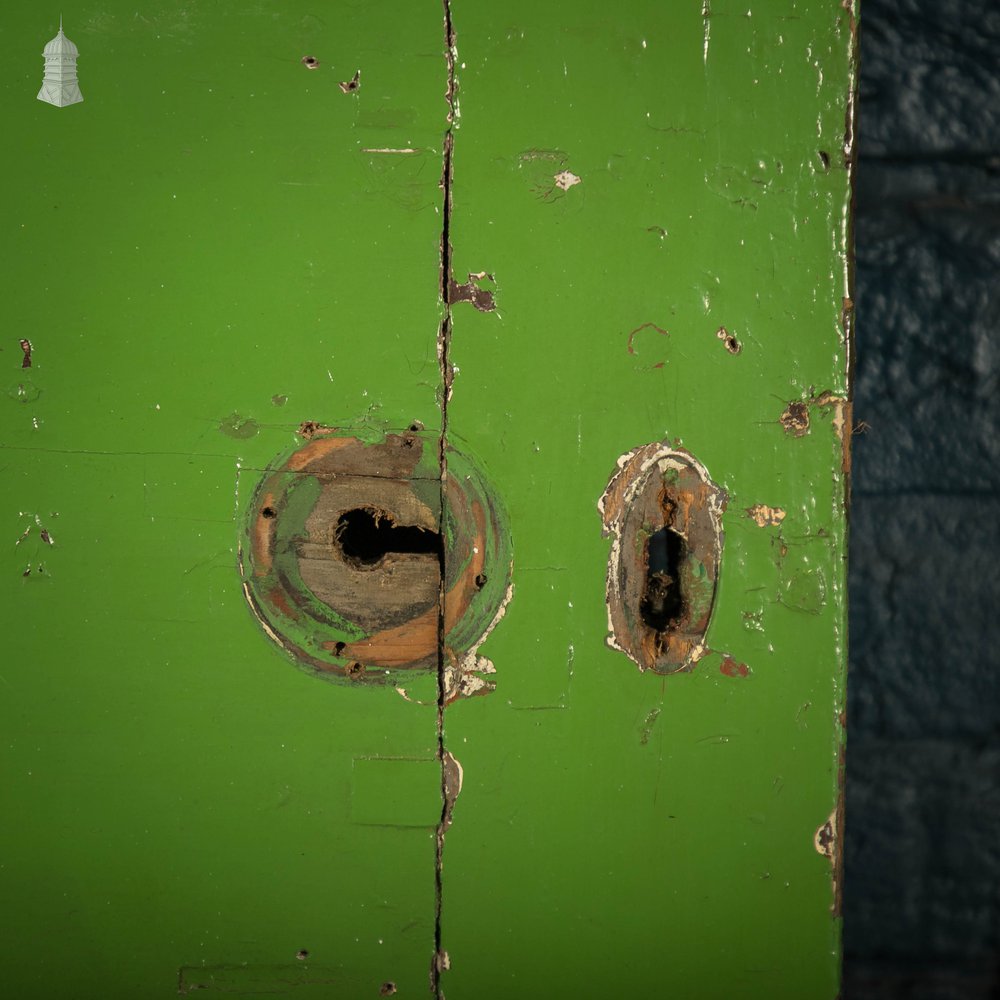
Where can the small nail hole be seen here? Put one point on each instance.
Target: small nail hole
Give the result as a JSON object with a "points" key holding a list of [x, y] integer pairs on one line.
{"points": [[268, 512], [416, 426], [302, 955], [824, 158], [355, 670], [481, 581], [339, 648], [310, 62], [387, 989]]}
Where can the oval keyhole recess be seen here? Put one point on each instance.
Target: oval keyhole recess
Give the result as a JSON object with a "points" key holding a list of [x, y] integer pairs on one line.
{"points": [[347, 544], [664, 515]]}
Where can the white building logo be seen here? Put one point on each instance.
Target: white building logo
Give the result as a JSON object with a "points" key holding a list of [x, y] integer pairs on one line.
{"points": [[60, 86]]}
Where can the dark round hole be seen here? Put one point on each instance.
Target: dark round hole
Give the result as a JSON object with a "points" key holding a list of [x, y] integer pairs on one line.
{"points": [[416, 426], [311, 61], [268, 512], [339, 648], [662, 603], [387, 989], [365, 535], [355, 669], [481, 581]]}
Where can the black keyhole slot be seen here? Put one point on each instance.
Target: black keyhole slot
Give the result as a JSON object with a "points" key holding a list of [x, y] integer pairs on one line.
{"points": [[366, 536], [662, 604]]}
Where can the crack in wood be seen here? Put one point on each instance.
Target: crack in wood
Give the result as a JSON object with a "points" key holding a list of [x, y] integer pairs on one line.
{"points": [[444, 347]]}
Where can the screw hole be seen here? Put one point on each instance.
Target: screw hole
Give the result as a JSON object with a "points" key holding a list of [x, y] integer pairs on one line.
{"points": [[728, 340], [350, 86], [481, 581], [416, 426], [268, 512]]}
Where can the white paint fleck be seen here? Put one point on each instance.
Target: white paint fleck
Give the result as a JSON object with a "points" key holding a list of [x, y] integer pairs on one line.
{"points": [[706, 14]]}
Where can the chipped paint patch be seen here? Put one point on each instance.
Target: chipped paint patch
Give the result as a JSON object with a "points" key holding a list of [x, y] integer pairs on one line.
{"points": [[311, 428], [402, 692], [764, 516], [544, 185], [452, 776], [732, 668], [842, 419], [825, 838], [471, 291], [566, 179], [795, 418], [463, 679]]}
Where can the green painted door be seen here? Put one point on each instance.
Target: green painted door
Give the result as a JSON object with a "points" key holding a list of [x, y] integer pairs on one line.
{"points": [[560, 254]]}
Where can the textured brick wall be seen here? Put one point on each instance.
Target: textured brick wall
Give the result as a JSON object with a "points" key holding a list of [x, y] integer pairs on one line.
{"points": [[922, 889]]}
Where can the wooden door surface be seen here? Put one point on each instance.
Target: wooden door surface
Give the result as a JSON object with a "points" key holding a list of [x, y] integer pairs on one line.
{"points": [[425, 457]]}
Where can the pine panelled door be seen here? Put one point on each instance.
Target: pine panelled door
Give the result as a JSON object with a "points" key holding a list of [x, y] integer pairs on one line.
{"points": [[425, 454]]}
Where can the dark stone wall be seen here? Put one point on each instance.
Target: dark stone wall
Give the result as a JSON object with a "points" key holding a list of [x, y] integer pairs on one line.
{"points": [[922, 852]]}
